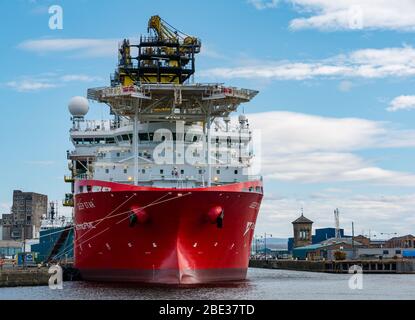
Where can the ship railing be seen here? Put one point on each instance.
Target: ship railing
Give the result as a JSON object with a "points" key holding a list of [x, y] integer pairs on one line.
{"points": [[170, 177], [95, 126], [83, 176], [255, 177]]}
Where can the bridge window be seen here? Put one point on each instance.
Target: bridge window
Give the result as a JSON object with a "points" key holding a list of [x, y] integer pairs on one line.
{"points": [[143, 136]]}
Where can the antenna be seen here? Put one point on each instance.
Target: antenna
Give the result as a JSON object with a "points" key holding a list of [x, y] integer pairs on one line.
{"points": [[337, 223]]}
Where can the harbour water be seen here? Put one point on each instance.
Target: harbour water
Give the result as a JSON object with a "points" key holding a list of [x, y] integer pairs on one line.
{"points": [[260, 284]]}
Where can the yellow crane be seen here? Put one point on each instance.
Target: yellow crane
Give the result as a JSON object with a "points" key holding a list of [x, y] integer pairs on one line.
{"points": [[166, 55]]}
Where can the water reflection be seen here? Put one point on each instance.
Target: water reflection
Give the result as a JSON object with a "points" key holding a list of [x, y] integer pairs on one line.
{"points": [[261, 284]]}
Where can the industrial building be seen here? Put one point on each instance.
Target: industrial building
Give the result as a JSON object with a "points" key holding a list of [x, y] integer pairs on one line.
{"points": [[324, 250], [9, 248], [320, 235], [327, 242], [407, 241], [24, 221]]}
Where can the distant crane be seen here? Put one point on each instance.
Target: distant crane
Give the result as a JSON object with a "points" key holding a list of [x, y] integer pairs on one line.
{"points": [[337, 223]]}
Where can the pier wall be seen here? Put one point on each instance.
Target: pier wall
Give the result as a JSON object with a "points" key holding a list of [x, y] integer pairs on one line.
{"points": [[24, 277], [298, 265], [368, 266]]}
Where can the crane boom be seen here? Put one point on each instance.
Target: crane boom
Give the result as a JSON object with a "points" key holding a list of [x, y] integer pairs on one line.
{"points": [[167, 55]]}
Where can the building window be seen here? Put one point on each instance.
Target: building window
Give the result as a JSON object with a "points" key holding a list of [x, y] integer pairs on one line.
{"points": [[118, 154], [236, 172], [398, 252], [182, 171], [217, 171], [385, 251], [200, 171], [161, 171], [107, 171], [125, 170]]}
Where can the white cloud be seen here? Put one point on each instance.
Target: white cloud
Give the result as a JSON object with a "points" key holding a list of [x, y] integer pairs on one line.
{"points": [[330, 167], [377, 212], [263, 4], [365, 63], [30, 85], [83, 47], [80, 78], [47, 81], [88, 48], [292, 132], [210, 52], [354, 14], [313, 149], [5, 206], [402, 103], [40, 162], [345, 86]]}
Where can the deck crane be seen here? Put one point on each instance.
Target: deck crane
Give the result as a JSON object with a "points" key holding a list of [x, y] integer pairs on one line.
{"points": [[165, 55]]}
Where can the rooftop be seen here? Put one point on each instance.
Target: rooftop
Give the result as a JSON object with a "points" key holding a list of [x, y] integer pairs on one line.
{"points": [[302, 219]]}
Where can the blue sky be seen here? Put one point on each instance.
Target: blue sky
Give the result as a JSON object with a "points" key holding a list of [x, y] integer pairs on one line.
{"points": [[336, 104]]}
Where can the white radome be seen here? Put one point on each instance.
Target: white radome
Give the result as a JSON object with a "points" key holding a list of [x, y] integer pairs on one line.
{"points": [[78, 106]]}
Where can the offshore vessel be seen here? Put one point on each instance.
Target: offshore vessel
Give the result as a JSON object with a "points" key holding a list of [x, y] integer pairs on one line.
{"points": [[162, 191]]}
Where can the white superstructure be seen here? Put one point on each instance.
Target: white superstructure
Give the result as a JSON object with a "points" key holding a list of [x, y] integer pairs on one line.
{"points": [[170, 154]]}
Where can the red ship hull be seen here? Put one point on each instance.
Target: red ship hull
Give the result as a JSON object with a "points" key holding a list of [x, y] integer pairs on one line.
{"points": [[160, 235]]}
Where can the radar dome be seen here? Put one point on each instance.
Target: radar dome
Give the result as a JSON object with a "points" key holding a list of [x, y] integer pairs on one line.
{"points": [[78, 106]]}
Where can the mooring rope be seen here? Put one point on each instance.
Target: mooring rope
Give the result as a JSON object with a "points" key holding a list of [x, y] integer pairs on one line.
{"points": [[69, 246], [156, 202]]}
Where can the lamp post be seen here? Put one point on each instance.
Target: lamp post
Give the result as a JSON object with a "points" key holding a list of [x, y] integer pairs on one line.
{"points": [[265, 244], [256, 246]]}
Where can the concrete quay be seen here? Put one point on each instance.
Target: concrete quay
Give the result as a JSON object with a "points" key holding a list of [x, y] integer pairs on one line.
{"points": [[368, 266], [17, 277]]}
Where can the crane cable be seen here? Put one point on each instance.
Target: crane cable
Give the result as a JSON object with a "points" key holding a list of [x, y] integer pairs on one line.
{"points": [[149, 205], [104, 217], [74, 226]]}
